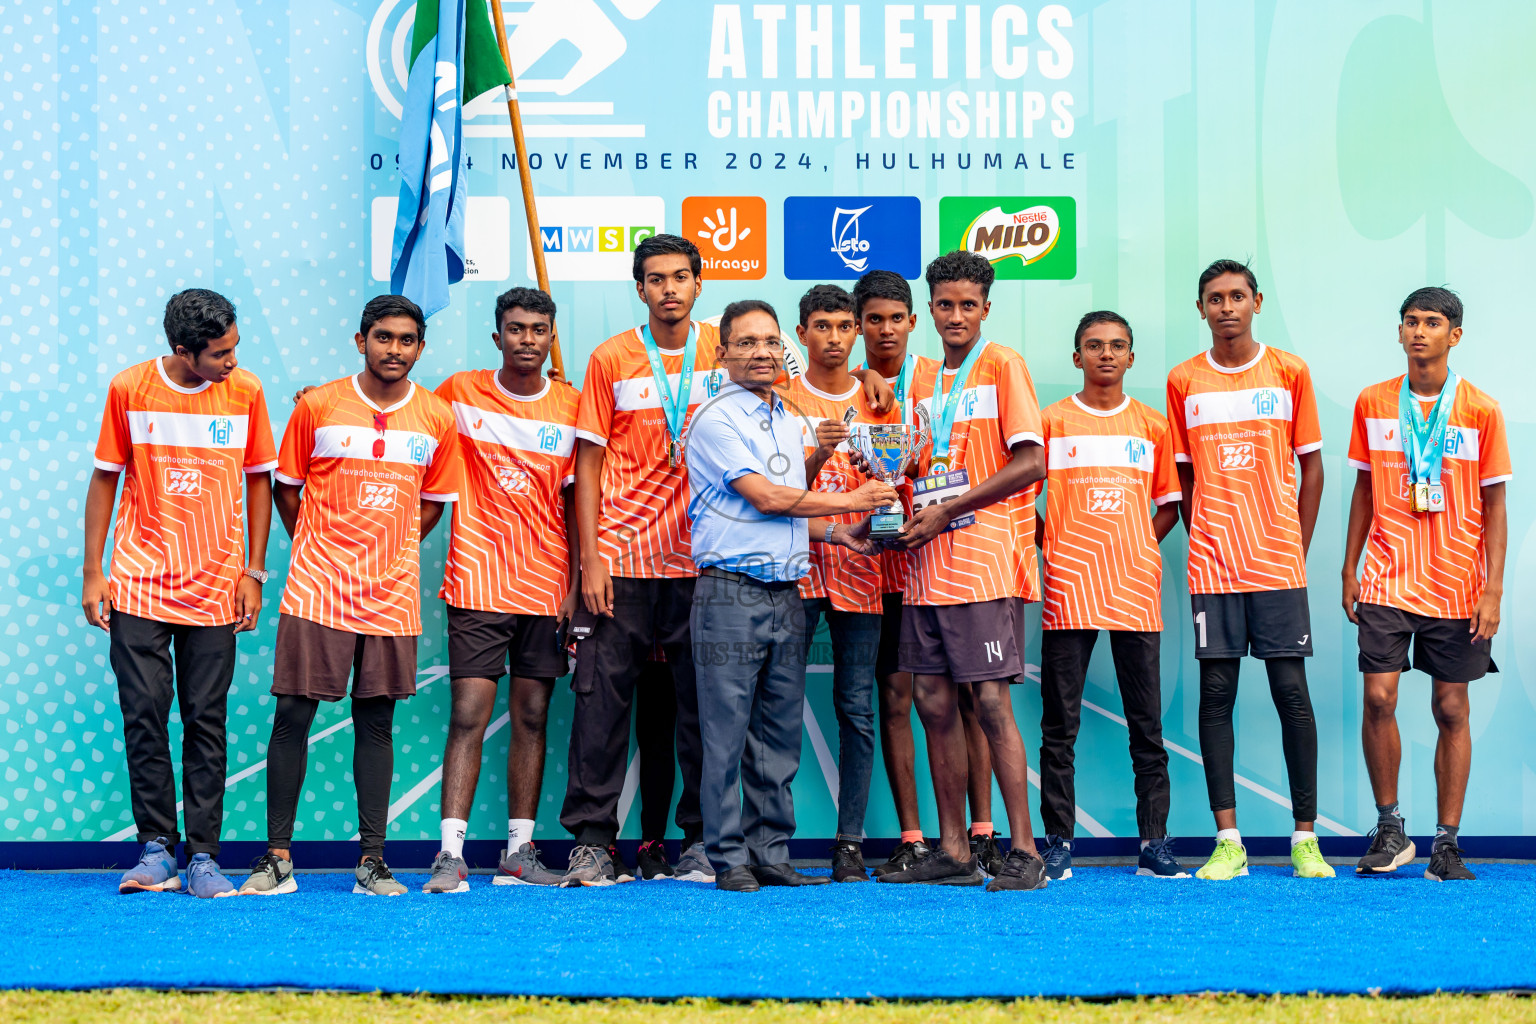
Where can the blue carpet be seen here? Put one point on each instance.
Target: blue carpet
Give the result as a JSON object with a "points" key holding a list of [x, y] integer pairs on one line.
{"points": [[1105, 932]]}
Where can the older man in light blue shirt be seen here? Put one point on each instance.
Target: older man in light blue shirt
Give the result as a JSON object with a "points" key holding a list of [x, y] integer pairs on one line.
{"points": [[751, 541]]}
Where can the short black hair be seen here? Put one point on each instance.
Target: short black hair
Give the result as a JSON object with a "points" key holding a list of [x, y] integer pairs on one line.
{"points": [[666, 245], [1220, 267], [741, 308], [381, 306], [961, 265], [824, 298], [1101, 316], [195, 317], [534, 300], [881, 284], [1434, 300]]}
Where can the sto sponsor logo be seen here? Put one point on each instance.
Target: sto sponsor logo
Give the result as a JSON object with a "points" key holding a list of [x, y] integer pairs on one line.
{"points": [[1106, 501], [593, 238], [187, 483], [1235, 456], [380, 496], [513, 479], [844, 237], [1023, 237], [731, 233]]}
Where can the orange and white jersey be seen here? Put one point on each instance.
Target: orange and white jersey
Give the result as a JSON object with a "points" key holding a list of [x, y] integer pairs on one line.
{"points": [[1241, 427], [1428, 563], [1104, 472], [178, 549], [642, 521], [356, 564], [995, 556], [852, 581], [517, 455]]}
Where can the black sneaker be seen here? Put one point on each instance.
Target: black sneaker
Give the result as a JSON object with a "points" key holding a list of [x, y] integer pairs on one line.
{"points": [[939, 868], [1390, 850], [903, 857], [848, 863], [651, 861], [1022, 870], [621, 872], [1445, 865], [984, 849]]}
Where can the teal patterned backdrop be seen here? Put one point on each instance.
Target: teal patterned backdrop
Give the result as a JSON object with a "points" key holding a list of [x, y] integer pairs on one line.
{"points": [[1352, 151]]}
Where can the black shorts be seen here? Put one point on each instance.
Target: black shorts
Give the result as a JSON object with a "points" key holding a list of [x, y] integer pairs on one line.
{"points": [[480, 643], [887, 662], [1442, 648], [970, 643], [1269, 623]]}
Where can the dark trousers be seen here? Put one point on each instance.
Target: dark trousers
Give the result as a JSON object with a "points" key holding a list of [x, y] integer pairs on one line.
{"points": [[1064, 655], [608, 665], [855, 644], [373, 767], [140, 651], [655, 725], [1298, 730], [749, 646]]}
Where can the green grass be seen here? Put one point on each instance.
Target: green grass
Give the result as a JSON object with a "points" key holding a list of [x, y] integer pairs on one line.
{"points": [[135, 1007]]}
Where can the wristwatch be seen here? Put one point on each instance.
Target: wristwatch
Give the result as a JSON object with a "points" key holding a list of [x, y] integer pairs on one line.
{"points": [[828, 538], [259, 575]]}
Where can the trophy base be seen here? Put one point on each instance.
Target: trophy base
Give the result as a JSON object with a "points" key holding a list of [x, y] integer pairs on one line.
{"points": [[886, 525]]}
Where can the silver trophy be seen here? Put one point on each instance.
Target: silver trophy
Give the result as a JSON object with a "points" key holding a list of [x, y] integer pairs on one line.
{"points": [[890, 449]]}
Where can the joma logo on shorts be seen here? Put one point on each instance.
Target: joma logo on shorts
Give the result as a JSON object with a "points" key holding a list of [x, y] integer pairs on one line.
{"points": [[183, 481], [1235, 456], [1106, 500], [380, 496]]}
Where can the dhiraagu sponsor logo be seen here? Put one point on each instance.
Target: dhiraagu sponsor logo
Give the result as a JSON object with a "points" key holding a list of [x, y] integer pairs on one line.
{"points": [[1024, 237]]}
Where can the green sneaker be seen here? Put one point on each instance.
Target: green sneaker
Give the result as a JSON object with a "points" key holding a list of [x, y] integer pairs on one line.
{"points": [[1228, 860], [1308, 861]]}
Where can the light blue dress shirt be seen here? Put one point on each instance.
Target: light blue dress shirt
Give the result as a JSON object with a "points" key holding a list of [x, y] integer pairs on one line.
{"points": [[731, 436]]}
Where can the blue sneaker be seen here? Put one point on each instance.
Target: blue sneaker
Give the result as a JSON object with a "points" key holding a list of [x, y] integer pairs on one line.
{"points": [[205, 880], [155, 871], [1058, 858], [1157, 860]]}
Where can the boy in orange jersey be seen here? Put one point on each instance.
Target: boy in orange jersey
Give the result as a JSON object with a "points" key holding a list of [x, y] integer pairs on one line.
{"points": [[974, 569], [843, 585], [189, 432], [1108, 460], [1242, 416], [1428, 512], [882, 307], [366, 465], [637, 572], [510, 581]]}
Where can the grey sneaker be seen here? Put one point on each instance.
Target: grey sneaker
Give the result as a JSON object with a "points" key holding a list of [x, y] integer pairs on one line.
{"points": [[449, 874], [590, 865], [693, 866], [525, 868], [270, 876], [374, 879]]}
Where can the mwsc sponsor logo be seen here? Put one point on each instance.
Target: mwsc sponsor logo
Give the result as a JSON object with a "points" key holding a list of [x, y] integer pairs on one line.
{"points": [[593, 238]]}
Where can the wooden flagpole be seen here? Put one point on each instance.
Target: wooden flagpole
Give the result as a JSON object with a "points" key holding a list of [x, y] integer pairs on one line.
{"points": [[525, 178]]}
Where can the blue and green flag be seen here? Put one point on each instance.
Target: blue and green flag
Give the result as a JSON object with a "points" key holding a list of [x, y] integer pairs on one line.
{"points": [[454, 58]]}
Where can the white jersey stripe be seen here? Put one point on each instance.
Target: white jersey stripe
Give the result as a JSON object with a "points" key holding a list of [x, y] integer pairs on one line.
{"points": [[186, 429], [514, 432]]}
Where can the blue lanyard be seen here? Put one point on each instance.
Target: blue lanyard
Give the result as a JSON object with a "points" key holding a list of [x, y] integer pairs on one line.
{"points": [[947, 404], [903, 381], [1424, 438], [675, 410]]}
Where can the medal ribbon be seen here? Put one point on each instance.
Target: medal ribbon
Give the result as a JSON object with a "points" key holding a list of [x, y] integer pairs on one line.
{"points": [[1424, 437], [947, 404], [675, 410]]}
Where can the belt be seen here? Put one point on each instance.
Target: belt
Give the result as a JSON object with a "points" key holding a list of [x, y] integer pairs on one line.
{"points": [[752, 581]]}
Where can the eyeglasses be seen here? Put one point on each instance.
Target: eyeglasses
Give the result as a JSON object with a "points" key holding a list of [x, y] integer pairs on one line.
{"points": [[378, 445], [1119, 346], [742, 346]]}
